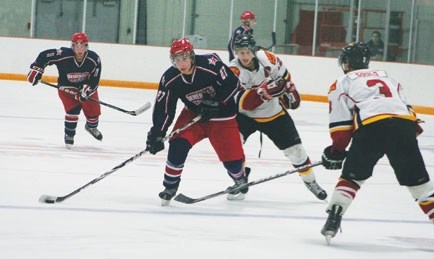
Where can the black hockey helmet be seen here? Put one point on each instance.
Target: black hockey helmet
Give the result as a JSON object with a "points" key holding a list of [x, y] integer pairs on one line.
{"points": [[356, 55], [245, 40]]}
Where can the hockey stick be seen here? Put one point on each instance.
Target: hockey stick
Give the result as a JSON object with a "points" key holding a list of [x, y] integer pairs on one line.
{"points": [[185, 199], [273, 40], [140, 110], [55, 199]]}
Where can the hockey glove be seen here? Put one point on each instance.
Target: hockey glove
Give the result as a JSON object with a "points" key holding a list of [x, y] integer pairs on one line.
{"points": [[417, 123], [332, 161], [208, 109], [154, 143], [419, 129], [291, 98], [270, 88], [85, 92], [35, 74]]}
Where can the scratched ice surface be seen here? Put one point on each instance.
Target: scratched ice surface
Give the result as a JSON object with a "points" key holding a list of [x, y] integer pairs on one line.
{"points": [[121, 217]]}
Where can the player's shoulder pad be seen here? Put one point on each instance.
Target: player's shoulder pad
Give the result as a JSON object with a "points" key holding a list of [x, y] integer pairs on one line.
{"points": [[333, 87], [66, 51], [92, 54], [209, 61], [213, 55], [234, 66], [235, 70], [266, 57], [168, 75], [63, 52]]}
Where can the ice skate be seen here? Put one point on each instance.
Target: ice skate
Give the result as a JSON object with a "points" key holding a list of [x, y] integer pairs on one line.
{"points": [[69, 141], [166, 195], [94, 132], [239, 194], [333, 223], [319, 192]]}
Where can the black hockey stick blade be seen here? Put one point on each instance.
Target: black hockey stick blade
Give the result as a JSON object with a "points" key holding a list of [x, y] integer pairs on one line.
{"points": [[50, 199], [185, 199], [188, 200]]}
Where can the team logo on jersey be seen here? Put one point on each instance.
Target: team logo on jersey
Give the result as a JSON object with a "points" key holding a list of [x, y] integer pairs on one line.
{"points": [[197, 96], [332, 87], [58, 52], [77, 77], [271, 57], [212, 61], [236, 71]]}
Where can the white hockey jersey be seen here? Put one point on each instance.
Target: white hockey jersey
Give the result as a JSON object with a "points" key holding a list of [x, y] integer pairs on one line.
{"points": [[362, 97], [269, 66]]}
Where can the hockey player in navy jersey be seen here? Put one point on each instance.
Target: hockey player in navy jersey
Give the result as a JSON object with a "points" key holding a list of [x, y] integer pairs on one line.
{"points": [[369, 109], [248, 21], [207, 87], [79, 74], [267, 94]]}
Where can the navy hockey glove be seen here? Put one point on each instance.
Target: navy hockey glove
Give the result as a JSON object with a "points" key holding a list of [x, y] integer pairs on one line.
{"points": [[270, 88], [154, 143], [35, 74], [332, 161], [85, 92], [208, 109]]}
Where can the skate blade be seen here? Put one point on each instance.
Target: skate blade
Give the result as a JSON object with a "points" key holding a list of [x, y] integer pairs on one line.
{"points": [[328, 239], [165, 202], [68, 146], [236, 197]]}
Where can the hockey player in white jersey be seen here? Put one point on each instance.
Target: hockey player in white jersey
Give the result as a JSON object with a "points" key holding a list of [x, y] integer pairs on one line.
{"points": [[369, 108], [267, 94]]}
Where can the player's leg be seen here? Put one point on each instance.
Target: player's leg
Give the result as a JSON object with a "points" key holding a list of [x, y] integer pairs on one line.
{"points": [[179, 147], [92, 111], [72, 110], [226, 141], [365, 151], [409, 167], [284, 134], [246, 126]]}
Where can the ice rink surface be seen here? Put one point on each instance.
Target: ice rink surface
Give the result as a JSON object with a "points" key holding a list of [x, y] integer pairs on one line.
{"points": [[121, 217]]}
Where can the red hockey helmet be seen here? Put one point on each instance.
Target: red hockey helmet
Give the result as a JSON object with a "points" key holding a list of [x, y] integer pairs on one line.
{"points": [[181, 48], [247, 15], [80, 38]]}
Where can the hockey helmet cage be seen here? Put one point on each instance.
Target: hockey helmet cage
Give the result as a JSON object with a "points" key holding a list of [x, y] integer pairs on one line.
{"points": [[245, 40], [356, 55], [181, 48]]}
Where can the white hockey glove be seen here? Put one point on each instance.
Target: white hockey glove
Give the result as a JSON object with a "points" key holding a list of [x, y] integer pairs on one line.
{"points": [[85, 92]]}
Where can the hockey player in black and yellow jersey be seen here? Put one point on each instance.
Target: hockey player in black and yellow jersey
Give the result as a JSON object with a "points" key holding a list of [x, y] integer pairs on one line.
{"points": [[263, 102], [369, 109]]}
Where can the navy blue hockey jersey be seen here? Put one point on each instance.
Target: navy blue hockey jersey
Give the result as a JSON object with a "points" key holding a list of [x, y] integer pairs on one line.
{"points": [[72, 73], [210, 77]]}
